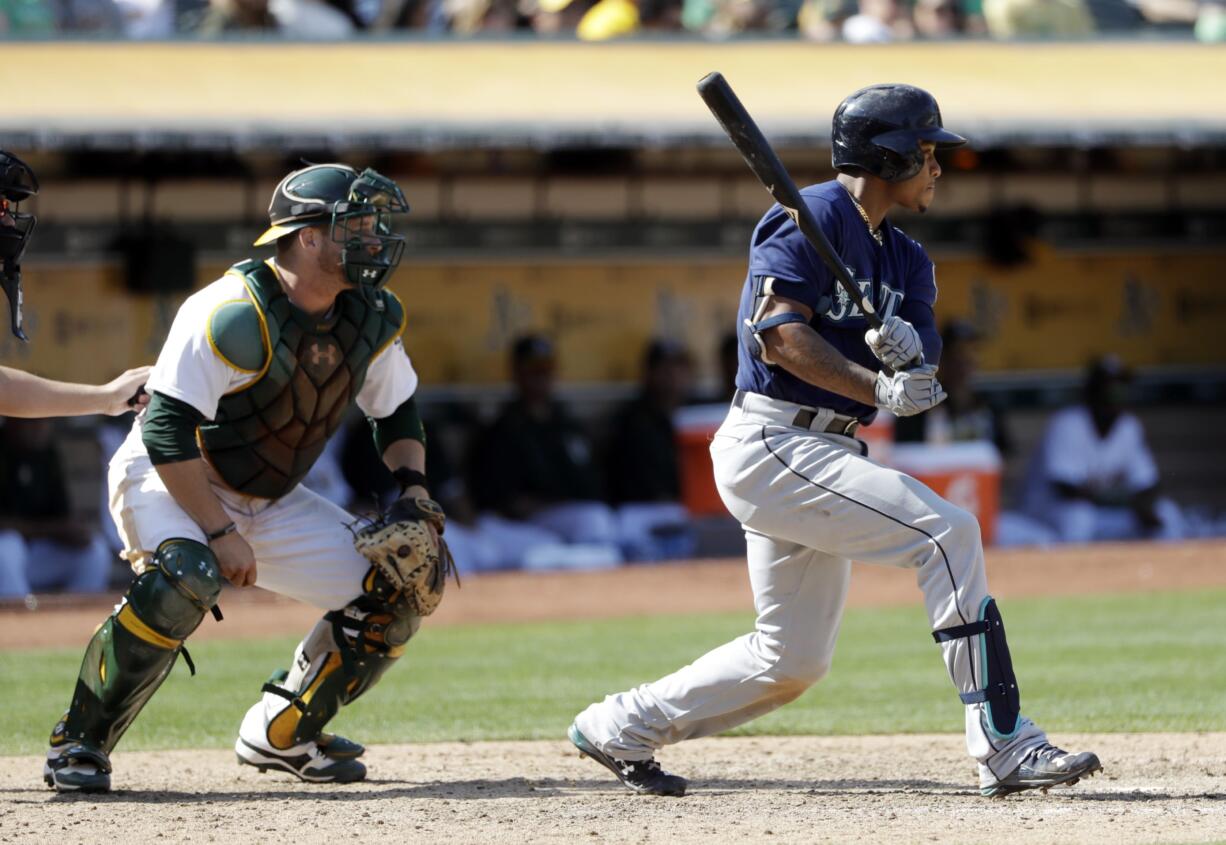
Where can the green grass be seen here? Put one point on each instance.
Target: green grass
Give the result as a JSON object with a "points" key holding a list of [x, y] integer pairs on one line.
{"points": [[1113, 663]]}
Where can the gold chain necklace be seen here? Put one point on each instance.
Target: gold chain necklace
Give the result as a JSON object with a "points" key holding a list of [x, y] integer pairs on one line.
{"points": [[876, 233]]}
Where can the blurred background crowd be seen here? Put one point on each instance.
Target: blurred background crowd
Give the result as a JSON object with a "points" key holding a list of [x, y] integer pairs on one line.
{"points": [[852, 21]]}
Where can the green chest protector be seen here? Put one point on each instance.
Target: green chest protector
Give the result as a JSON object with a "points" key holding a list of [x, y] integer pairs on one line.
{"points": [[267, 434]]}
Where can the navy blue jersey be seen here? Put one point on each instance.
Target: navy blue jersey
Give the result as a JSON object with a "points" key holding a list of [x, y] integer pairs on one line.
{"points": [[897, 276]]}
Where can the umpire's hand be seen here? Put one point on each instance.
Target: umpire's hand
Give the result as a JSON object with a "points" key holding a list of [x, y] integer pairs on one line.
{"points": [[126, 393], [235, 558]]}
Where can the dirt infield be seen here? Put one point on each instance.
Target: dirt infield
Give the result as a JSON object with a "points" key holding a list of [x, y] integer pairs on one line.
{"points": [[1156, 788], [703, 586]]}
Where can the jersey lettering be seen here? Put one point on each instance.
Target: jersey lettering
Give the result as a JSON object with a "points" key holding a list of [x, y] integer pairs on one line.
{"points": [[842, 308], [893, 276]]}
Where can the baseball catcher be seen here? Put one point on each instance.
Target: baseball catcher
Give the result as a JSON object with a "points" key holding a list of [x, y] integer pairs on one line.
{"points": [[258, 371]]}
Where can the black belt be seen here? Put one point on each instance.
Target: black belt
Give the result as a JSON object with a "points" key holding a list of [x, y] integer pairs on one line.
{"points": [[845, 426]]}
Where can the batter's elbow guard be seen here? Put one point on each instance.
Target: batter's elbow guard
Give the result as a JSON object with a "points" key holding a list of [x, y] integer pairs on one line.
{"points": [[997, 685]]}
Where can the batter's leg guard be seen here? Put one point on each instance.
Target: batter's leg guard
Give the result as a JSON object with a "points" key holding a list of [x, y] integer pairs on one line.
{"points": [[990, 655], [130, 655], [342, 657]]}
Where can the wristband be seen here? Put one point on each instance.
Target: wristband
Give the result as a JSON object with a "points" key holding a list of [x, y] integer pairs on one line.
{"points": [[230, 528], [407, 478]]}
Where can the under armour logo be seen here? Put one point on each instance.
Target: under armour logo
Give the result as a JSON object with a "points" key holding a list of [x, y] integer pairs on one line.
{"points": [[369, 274], [318, 354]]}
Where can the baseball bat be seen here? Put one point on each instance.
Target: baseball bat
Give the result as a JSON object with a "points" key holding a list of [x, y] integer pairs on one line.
{"points": [[762, 160]]}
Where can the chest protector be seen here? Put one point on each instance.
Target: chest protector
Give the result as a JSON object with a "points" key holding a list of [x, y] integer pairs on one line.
{"points": [[268, 434]]}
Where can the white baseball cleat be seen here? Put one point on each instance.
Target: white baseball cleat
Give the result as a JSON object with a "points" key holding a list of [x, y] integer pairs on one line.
{"points": [[308, 761]]}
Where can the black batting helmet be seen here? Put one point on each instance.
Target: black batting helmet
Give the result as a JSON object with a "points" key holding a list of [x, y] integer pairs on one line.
{"points": [[878, 130]]}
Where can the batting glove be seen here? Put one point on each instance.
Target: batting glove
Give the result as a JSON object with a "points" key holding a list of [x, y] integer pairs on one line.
{"points": [[896, 344], [908, 392]]}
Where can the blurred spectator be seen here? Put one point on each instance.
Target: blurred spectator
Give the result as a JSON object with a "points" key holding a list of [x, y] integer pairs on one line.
{"points": [[878, 21], [305, 19], [822, 20], [729, 362], [533, 478], [609, 19], [26, 17], [43, 545], [553, 17], [221, 17], [723, 388], [939, 19], [617, 18], [1038, 18], [147, 19], [722, 18], [1211, 22], [1093, 476], [99, 17], [643, 470], [964, 415], [466, 17]]}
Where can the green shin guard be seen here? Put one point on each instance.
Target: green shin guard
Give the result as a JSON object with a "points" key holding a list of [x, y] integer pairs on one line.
{"points": [[133, 651]]}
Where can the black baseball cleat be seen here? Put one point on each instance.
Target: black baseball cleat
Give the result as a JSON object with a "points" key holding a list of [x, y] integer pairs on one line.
{"points": [[77, 767], [642, 776], [1043, 767]]}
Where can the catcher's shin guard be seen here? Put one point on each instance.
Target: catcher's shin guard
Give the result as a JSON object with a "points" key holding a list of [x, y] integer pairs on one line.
{"points": [[997, 685], [344, 655], [134, 650]]}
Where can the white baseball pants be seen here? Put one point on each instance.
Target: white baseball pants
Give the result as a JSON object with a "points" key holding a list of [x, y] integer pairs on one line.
{"points": [[302, 547], [810, 503]]}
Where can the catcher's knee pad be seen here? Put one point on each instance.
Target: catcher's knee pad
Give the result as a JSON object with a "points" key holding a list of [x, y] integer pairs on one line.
{"points": [[135, 648], [345, 654], [990, 653], [172, 595]]}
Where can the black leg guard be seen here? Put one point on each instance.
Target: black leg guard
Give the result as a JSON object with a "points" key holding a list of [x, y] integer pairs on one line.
{"points": [[344, 655], [135, 648], [997, 684]]}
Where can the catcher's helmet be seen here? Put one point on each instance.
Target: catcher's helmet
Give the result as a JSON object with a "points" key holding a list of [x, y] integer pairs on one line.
{"points": [[340, 197], [878, 130], [17, 183]]}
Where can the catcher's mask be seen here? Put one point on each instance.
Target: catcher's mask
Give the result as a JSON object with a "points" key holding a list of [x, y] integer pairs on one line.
{"points": [[17, 183], [358, 209]]}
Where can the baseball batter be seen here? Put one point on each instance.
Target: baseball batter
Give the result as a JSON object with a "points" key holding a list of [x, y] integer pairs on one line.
{"points": [[789, 467], [258, 370]]}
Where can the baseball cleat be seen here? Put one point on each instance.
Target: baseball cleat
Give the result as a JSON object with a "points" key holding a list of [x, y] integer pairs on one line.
{"points": [[331, 759], [1045, 766], [339, 748], [75, 767], [642, 776]]}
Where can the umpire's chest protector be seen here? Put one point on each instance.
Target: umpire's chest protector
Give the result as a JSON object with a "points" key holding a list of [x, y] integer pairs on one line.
{"points": [[268, 433]]}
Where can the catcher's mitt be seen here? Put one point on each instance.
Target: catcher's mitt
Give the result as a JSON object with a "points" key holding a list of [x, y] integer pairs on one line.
{"points": [[413, 558]]}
